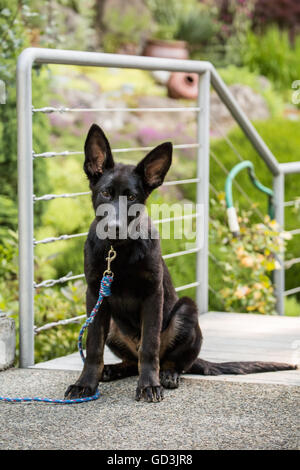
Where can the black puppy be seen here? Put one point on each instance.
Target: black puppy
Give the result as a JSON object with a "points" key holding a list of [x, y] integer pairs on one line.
{"points": [[143, 322]]}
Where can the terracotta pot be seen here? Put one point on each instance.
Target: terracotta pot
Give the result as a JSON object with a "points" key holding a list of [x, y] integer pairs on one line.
{"points": [[166, 49], [183, 85]]}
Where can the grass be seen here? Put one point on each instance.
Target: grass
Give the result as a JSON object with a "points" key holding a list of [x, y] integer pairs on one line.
{"points": [[291, 307]]}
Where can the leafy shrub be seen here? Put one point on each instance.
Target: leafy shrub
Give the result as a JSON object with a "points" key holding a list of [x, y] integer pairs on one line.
{"points": [[196, 27], [13, 38], [247, 262], [189, 21], [281, 136], [125, 29], [8, 273], [235, 31], [272, 55], [291, 306], [52, 305]]}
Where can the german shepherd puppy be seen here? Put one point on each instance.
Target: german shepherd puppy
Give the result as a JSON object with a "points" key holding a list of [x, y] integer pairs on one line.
{"points": [[143, 322]]}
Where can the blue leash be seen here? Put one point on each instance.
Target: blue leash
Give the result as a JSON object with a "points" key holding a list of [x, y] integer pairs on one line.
{"points": [[103, 292]]}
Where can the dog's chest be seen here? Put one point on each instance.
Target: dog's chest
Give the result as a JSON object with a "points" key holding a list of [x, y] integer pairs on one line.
{"points": [[128, 293], [126, 311]]}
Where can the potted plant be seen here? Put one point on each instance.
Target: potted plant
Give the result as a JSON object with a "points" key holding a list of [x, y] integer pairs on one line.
{"points": [[180, 26], [163, 43]]}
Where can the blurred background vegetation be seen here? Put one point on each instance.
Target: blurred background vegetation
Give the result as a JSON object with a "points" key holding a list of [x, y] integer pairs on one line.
{"points": [[255, 46]]}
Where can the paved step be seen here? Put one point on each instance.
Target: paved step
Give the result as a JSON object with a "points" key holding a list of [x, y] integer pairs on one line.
{"points": [[229, 337]]}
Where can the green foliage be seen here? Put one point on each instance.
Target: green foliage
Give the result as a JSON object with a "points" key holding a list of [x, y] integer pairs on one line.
{"points": [[281, 135], [196, 27], [8, 214], [8, 272], [166, 15], [52, 305], [13, 38], [63, 24], [272, 55], [246, 263], [292, 306], [242, 75], [128, 28], [189, 21], [235, 34], [8, 257]]}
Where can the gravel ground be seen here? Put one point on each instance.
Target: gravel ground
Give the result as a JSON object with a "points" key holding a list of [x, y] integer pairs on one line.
{"points": [[198, 415]]}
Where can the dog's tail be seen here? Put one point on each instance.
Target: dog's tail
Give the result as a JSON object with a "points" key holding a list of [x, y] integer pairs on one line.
{"points": [[238, 368]]}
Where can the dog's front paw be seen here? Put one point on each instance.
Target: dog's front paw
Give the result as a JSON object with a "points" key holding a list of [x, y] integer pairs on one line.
{"points": [[169, 379], [79, 391], [150, 394]]}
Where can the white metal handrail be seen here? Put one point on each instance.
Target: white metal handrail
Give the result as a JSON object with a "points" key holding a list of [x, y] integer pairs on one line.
{"points": [[67, 153], [84, 234], [63, 109], [49, 197], [67, 278]]}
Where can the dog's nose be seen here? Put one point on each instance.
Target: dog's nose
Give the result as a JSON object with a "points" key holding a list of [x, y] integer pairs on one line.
{"points": [[114, 228]]}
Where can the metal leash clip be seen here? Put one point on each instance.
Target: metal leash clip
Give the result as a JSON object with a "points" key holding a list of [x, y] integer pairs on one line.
{"points": [[111, 256]]}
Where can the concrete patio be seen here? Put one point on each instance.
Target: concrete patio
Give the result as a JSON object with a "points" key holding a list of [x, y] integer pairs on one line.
{"points": [[258, 411]]}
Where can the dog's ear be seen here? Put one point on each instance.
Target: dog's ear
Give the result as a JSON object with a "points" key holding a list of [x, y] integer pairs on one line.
{"points": [[154, 167], [98, 156]]}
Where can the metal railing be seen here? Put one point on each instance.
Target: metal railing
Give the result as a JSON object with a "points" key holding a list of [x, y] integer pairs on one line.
{"points": [[207, 76]]}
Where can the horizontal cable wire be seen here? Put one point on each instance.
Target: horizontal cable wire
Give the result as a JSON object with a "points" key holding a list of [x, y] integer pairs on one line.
{"points": [[64, 153], [187, 286], [61, 280], [180, 253], [63, 109], [296, 231], [83, 234], [292, 291], [174, 219], [289, 263], [49, 197], [188, 181], [67, 321], [67, 153], [60, 238], [68, 277], [292, 203]]}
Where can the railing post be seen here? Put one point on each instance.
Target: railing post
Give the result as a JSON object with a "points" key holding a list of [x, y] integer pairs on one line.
{"points": [[25, 197], [279, 274], [203, 191]]}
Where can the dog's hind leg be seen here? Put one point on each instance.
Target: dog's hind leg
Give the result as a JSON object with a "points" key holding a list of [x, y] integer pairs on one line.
{"points": [[118, 371], [180, 342]]}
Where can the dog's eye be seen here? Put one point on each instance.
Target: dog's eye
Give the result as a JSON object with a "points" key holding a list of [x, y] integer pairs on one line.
{"points": [[105, 194], [131, 197]]}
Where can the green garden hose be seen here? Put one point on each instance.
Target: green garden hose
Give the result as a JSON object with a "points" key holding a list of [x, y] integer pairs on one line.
{"points": [[231, 212]]}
